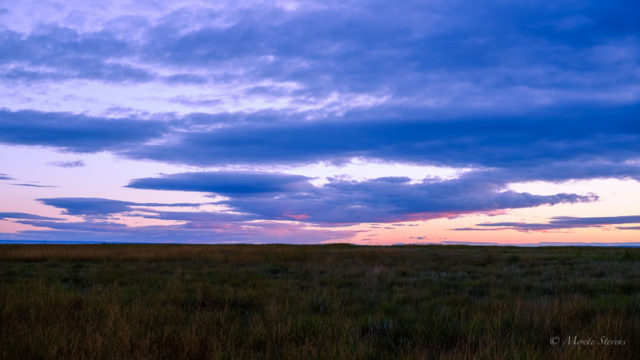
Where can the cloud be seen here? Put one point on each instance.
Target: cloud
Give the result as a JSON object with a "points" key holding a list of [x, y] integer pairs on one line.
{"points": [[222, 232], [444, 85], [553, 144], [225, 183], [89, 226], [560, 222], [628, 227], [67, 164], [88, 206], [34, 185], [196, 226], [58, 53], [5, 177], [578, 137], [275, 196], [545, 243], [77, 133], [279, 197], [23, 216], [99, 207], [515, 91], [453, 53]]}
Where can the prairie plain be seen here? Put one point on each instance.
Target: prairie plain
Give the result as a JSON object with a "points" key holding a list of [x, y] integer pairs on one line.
{"points": [[318, 302]]}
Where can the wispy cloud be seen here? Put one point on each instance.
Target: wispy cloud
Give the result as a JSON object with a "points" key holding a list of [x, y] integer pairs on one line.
{"points": [[33, 185], [24, 216], [560, 222], [212, 233], [67, 164]]}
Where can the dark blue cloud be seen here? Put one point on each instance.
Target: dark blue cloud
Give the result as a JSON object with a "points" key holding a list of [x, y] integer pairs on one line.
{"points": [[353, 46], [561, 222], [590, 141], [358, 47], [225, 183], [272, 196], [65, 53], [88, 206], [23, 216], [347, 202], [76, 133], [519, 57], [186, 79], [553, 144], [99, 207], [5, 177]]}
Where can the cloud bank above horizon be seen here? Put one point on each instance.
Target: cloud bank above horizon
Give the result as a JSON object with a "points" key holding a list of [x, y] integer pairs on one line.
{"points": [[316, 121]]}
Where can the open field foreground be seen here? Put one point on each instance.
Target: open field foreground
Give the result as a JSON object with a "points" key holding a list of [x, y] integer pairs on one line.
{"points": [[305, 302]]}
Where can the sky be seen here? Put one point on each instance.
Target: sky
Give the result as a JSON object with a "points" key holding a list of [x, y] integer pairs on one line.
{"points": [[370, 122]]}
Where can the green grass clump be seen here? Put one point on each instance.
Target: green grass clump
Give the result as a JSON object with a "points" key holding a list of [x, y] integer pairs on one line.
{"points": [[324, 302]]}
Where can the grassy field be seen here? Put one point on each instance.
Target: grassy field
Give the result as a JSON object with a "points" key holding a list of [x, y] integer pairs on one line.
{"points": [[305, 302]]}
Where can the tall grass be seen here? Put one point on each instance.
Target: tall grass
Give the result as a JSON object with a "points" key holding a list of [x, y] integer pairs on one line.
{"points": [[306, 302]]}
